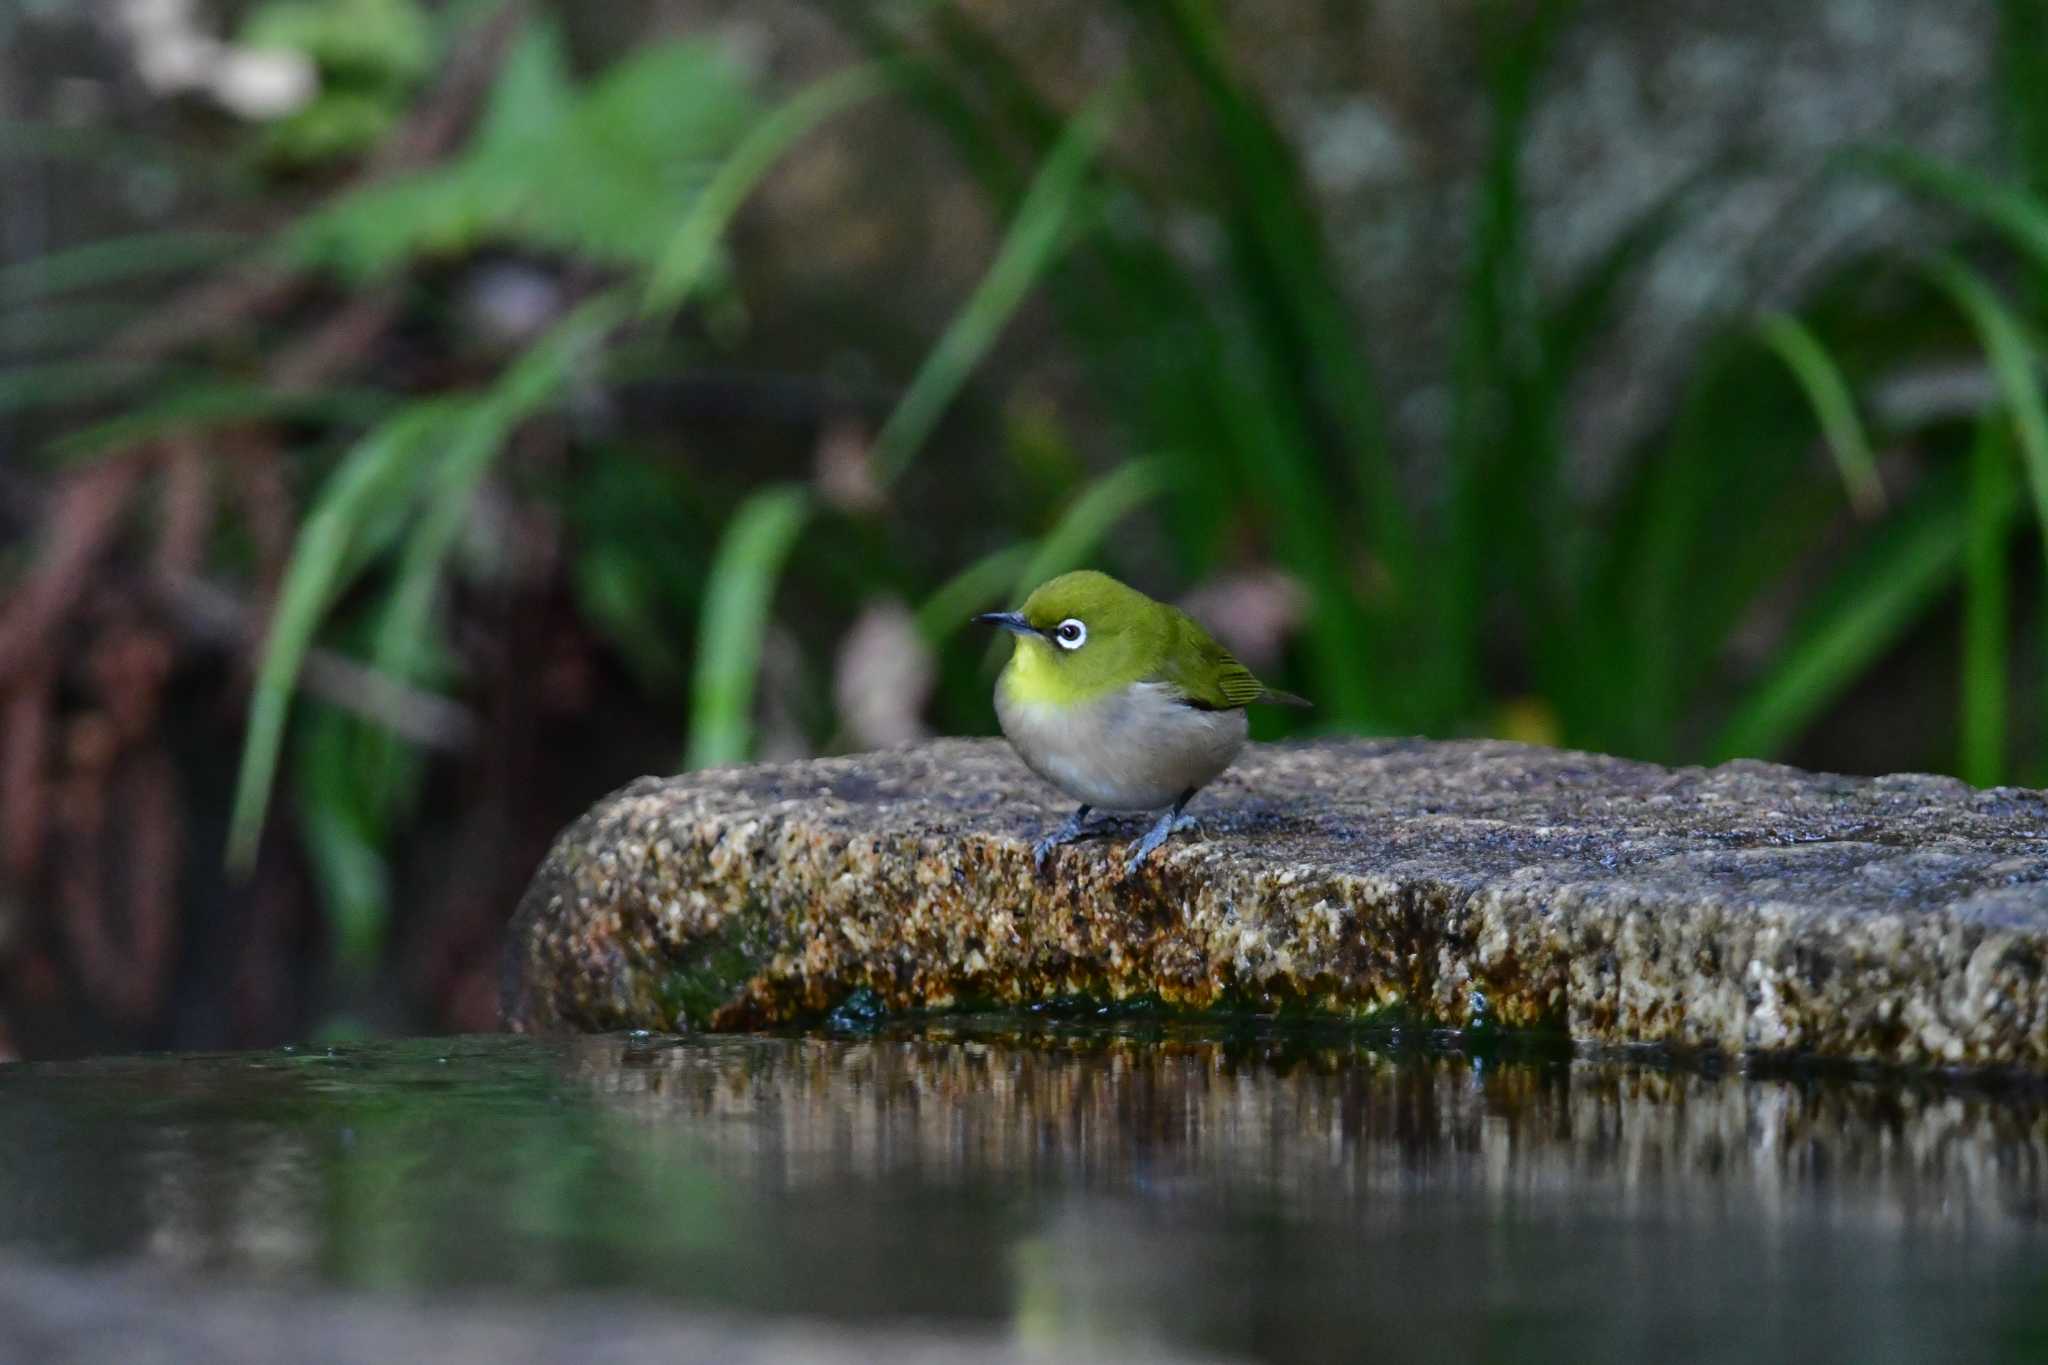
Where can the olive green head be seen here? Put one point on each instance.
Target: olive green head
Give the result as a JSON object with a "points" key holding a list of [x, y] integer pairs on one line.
{"points": [[1083, 634]]}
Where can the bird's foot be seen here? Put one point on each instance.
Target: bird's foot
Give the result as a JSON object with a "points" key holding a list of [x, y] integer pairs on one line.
{"points": [[1065, 834], [1168, 825]]}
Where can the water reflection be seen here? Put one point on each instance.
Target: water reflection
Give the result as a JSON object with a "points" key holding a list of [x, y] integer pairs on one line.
{"points": [[1276, 1196], [1304, 1128]]}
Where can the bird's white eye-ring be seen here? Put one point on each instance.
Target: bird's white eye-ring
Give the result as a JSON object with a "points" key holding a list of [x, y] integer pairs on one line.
{"points": [[1071, 634]]}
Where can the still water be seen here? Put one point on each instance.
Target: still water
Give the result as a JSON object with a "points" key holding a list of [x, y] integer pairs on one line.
{"points": [[1226, 1192]]}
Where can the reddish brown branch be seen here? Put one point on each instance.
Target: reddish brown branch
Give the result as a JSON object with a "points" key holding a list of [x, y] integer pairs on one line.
{"points": [[84, 516], [187, 502], [80, 871], [24, 774], [206, 309], [154, 824], [329, 349], [441, 119], [419, 717], [266, 505]]}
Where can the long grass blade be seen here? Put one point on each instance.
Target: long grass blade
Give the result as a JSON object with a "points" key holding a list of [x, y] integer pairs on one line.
{"points": [[199, 406], [2019, 215], [92, 145], [1504, 447], [405, 642], [1986, 607], [114, 260], [1873, 603], [984, 581], [2012, 363], [70, 327], [1573, 322], [744, 572], [1070, 541], [345, 847], [1155, 352], [1043, 225], [1091, 517], [24, 388], [1833, 405], [478, 431], [1285, 274], [379, 469], [689, 254]]}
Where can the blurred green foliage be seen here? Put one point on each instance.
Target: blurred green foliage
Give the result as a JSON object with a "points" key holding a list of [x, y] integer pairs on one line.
{"points": [[600, 173], [370, 55], [1479, 587]]}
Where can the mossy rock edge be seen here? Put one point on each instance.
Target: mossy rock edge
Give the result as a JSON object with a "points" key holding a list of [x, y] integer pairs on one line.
{"points": [[1745, 908]]}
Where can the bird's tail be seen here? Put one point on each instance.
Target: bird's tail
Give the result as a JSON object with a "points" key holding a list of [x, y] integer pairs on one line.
{"points": [[1273, 696]]}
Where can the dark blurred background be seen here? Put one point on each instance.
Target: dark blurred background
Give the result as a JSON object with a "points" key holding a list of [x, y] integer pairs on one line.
{"points": [[418, 418]]}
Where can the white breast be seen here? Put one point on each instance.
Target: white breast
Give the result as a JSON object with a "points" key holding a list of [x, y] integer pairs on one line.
{"points": [[1137, 749]]}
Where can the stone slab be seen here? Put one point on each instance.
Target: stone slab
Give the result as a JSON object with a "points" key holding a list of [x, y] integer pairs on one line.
{"points": [[1745, 908]]}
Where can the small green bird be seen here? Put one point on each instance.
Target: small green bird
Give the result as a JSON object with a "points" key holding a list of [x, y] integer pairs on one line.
{"points": [[1121, 702]]}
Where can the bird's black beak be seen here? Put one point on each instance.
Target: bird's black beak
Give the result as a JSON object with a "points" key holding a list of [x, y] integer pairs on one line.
{"points": [[1008, 620]]}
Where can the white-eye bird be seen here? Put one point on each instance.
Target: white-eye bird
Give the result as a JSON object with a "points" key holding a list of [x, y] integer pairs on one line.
{"points": [[1123, 703]]}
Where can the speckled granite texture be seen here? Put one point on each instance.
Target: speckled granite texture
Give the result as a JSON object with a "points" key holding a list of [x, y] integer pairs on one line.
{"points": [[1749, 907]]}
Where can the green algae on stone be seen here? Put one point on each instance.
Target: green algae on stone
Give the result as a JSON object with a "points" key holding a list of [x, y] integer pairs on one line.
{"points": [[1749, 907], [693, 990]]}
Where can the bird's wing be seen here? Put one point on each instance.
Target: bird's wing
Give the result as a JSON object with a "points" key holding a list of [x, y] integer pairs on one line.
{"points": [[1204, 673]]}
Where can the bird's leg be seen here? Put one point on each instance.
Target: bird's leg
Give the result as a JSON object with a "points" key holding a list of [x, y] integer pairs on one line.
{"points": [[1168, 824], [1065, 834]]}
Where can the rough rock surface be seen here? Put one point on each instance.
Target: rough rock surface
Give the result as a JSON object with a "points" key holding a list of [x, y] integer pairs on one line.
{"points": [[1744, 908]]}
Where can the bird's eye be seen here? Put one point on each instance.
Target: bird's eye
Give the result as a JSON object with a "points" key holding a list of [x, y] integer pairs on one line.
{"points": [[1071, 634]]}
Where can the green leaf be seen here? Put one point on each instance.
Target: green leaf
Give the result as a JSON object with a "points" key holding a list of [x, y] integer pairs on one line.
{"points": [[1284, 275], [2010, 209], [684, 262], [1825, 388], [643, 531], [25, 388], [73, 327], [616, 593], [346, 849], [374, 43], [533, 94], [744, 572], [604, 175], [199, 405], [1986, 604], [1586, 307], [114, 260], [93, 146], [477, 432], [1873, 602], [1036, 236], [1100, 506], [1068, 544], [2012, 362], [984, 581], [378, 470], [1206, 372], [1504, 446]]}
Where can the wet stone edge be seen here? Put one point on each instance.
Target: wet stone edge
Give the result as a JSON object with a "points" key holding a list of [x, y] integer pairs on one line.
{"points": [[758, 897]]}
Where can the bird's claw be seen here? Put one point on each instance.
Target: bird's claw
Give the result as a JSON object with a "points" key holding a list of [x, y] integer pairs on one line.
{"points": [[1170, 824], [1065, 834]]}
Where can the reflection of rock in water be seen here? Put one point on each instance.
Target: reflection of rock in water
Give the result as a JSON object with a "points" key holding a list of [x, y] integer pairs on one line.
{"points": [[1069, 1194], [1200, 1118]]}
